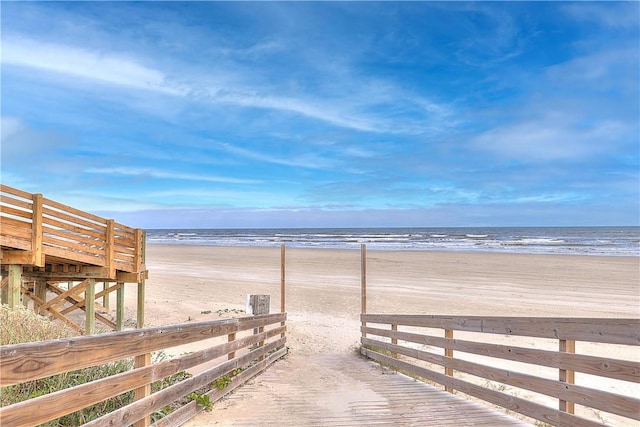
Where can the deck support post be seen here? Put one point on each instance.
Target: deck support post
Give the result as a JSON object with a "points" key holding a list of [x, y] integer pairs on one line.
{"points": [[14, 285], [140, 311], [24, 294], [4, 292], [120, 307], [105, 297], [40, 290], [90, 307]]}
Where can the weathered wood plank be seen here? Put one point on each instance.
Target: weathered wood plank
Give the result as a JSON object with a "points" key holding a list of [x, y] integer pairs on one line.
{"points": [[15, 243], [162, 398], [142, 362], [14, 285], [29, 361], [17, 257], [190, 410], [36, 232], [626, 370], [625, 406], [16, 227], [9, 210], [109, 249], [11, 201], [55, 314], [603, 330], [15, 192], [57, 404], [74, 241], [79, 303], [90, 306], [514, 403], [90, 218], [80, 287], [69, 254], [53, 223]]}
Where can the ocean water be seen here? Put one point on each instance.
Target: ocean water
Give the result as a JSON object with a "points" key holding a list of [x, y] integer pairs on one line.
{"points": [[612, 241]]}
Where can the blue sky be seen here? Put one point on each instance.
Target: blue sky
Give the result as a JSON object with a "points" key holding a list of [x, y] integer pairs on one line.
{"points": [[209, 114]]}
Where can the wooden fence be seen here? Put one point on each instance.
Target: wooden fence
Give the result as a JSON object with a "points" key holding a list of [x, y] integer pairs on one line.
{"points": [[424, 346], [35, 229], [249, 345]]}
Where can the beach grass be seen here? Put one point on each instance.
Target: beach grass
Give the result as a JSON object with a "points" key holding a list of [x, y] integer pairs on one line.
{"points": [[20, 325]]}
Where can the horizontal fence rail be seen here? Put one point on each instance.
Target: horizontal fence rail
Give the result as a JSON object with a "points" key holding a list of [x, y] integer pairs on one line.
{"points": [[246, 346], [424, 346], [34, 227]]}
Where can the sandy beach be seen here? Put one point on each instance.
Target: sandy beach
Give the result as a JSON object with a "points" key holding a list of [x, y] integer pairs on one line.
{"points": [[199, 283], [186, 280]]}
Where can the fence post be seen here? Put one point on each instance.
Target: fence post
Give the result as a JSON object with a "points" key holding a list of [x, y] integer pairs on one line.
{"points": [[448, 352], [282, 284], [566, 376], [363, 284], [142, 361], [139, 261], [40, 290], [109, 250], [259, 304], [232, 337], [394, 340], [36, 231]]}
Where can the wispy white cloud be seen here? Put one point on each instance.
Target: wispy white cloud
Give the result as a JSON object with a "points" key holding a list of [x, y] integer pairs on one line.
{"points": [[547, 139], [623, 15], [95, 65], [21, 143], [547, 198], [307, 160], [163, 174], [198, 197], [10, 126], [603, 69], [355, 109]]}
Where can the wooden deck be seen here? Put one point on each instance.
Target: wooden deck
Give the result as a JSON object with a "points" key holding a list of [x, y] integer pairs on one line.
{"points": [[64, 242], [48, 249], [345, 390]]}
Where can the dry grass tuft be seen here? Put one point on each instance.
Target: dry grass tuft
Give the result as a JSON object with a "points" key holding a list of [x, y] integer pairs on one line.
{"points": [[21, 325]]}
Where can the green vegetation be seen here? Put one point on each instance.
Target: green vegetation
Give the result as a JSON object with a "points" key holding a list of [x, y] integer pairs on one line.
{"points": [[22, 325], [201, 399]]}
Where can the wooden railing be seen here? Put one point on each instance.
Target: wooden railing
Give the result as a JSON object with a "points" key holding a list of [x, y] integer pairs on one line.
{"points": [[34, 227], [424, 347], [248, 345]]}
